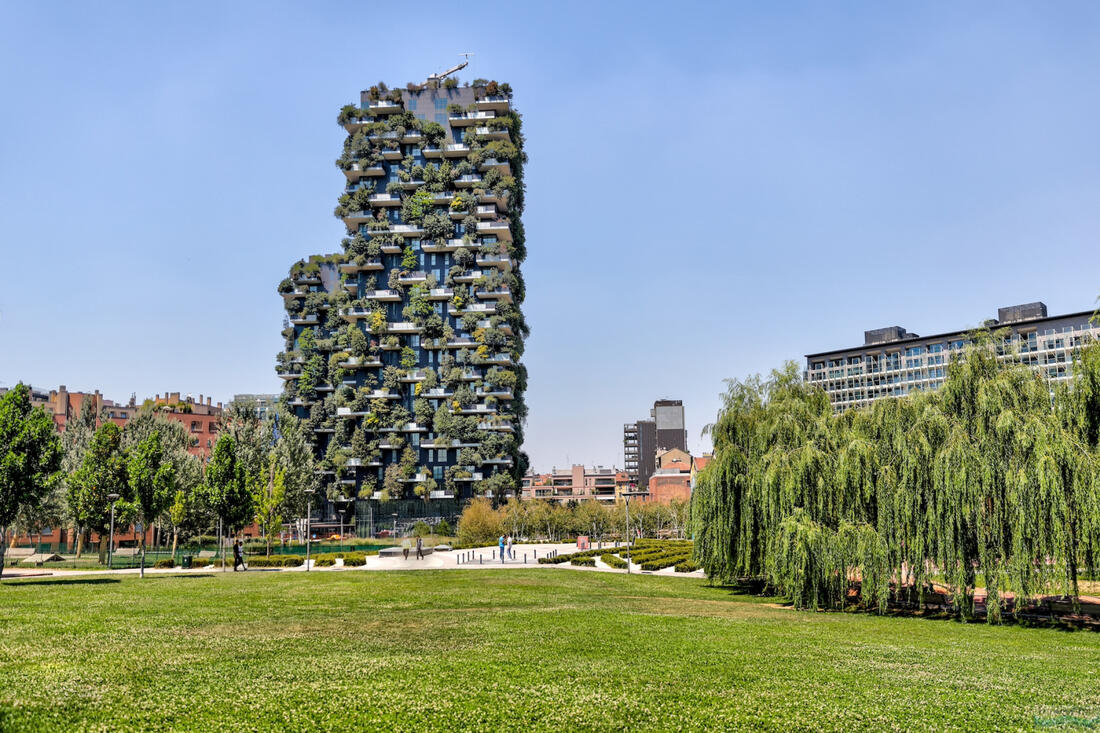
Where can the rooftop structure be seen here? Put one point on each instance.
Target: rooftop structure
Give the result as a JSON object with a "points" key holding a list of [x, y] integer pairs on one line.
{"points": [[893, 361]]}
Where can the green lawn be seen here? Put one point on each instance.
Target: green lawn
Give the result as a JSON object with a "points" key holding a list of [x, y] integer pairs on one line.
{"points": [[546, 648]]}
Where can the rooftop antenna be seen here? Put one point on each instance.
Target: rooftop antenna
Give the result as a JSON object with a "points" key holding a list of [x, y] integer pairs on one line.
{"points": [[439, 77]]}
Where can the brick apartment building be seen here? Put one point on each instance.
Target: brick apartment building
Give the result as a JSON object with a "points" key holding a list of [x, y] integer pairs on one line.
{"points": [[200, 417], [577, 483]]}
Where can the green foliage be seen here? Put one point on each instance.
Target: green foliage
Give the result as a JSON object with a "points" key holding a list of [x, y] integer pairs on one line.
{"points": [[225, 485], [102, 472], [479, 523], [152, 478], [30, 457], [415, 207], [268, 492], [981, 483]]}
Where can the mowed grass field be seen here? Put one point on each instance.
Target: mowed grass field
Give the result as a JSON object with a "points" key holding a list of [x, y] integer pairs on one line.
{"points": [[540, 649]]}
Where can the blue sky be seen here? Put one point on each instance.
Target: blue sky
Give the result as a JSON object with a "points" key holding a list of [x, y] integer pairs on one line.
{"points": [[712, 188]]}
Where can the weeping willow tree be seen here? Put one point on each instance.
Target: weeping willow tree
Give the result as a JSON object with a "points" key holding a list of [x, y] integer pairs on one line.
{"points": [[990, 482]]}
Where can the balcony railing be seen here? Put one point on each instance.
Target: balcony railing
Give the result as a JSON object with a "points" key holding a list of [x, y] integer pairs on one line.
{"points": [[470, 118]]}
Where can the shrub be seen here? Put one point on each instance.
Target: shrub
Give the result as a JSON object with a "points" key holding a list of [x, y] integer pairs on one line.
{"points": [[588, 562], [479, 523], [276, 561], [165, 563], [664, 561], [612, 561], [443, 528], [355, 560], [324, 561], [686, 567]]}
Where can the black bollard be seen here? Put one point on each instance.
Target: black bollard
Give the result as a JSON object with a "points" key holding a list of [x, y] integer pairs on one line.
{"points": [[480, 559], [525, 558]]}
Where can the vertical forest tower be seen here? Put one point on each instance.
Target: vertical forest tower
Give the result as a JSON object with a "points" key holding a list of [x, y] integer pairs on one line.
{"points": [[403, 350]]}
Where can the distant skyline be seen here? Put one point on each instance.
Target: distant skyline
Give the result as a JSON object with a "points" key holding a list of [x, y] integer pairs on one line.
{"points": [[759, 182]]}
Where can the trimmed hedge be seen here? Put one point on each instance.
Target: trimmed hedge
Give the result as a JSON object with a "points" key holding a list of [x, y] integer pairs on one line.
{"points": [[665, 561], [612, 561], [686, 567], [588, 562], [165, 563], [276, 561], [355, 559]]}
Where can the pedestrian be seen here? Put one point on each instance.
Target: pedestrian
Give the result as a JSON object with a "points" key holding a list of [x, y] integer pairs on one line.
{"points": [[419, 548], [508, 543], [405, 547], [238, 555], [500, 544]]}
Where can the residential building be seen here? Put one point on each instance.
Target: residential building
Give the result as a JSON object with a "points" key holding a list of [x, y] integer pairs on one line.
{"points": [[403, 350], [576, 483], [201, 418], [264, 404], [644, 438], [671, 479], [64, 405], [697, 465], [668, 416], [893, 361]]}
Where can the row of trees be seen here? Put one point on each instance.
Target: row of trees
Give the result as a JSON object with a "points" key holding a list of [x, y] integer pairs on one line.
{"points": [[480, 522], [258, 471], [993, 480]]}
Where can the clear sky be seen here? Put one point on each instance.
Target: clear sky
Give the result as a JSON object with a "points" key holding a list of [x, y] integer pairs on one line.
{"points": [[713, 188]]}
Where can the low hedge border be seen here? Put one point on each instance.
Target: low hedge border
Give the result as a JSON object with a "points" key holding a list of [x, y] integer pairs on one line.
{"points": [[612, 561], [686, 567], [586, 562], [276, 561]]}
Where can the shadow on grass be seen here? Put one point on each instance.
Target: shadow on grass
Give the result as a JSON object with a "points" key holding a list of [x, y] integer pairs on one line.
{"points": [[175, 576], [61, 581]]}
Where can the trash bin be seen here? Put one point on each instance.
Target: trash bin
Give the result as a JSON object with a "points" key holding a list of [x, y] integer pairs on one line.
{"points": [[187, 561]]}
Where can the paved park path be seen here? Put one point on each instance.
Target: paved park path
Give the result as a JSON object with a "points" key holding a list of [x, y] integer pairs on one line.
{"points": [[481, 558]]}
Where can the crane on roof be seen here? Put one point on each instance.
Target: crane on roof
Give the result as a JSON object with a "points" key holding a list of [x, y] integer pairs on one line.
{"points": [[453, 69]]}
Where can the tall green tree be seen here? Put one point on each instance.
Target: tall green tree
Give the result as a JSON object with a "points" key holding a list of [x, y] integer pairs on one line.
{"points": [[187, 469], [225, 487], [268, 492], [152, 479], [291, 444], [101, 473], [75, 441], [30, 457]]}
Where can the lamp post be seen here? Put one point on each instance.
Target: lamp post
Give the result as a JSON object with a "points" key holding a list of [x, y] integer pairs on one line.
{"points": [[111, 547], [626, 498], [309, 519], [394, 515]]}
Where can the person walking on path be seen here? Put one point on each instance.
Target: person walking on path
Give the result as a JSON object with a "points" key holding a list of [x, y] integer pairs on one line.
{"points": [[500, 544], [405, 547], [508, 544], [238, 555], [419, 548]]}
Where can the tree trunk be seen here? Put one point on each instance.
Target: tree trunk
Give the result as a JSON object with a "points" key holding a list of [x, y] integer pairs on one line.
{"points": [[143, 532], [79, 541], [3, 548], [175, 541], [102, 548]]}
